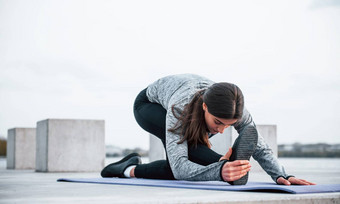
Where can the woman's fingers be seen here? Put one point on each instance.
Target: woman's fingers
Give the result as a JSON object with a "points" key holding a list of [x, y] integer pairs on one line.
{"points": [[310, 183], [239, 162], [234, 177], [297, 181], [283, 181], [293, 181], [239, 168]]}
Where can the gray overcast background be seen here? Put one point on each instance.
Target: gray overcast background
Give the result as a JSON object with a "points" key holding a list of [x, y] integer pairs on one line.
{"points": [[89, 59]]}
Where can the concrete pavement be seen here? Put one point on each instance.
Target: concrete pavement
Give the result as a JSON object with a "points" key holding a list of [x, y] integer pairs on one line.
{"points": [[27, 186]]}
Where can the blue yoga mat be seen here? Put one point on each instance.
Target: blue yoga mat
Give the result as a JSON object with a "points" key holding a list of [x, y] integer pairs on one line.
{"points": [[211, 185]]}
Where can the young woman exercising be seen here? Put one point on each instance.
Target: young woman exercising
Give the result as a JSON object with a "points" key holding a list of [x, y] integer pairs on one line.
{"points": [[184, 111]]}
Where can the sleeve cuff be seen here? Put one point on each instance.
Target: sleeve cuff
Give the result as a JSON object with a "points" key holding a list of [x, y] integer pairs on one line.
{"points": [[278, 178], [285, 177], [223, 162]]}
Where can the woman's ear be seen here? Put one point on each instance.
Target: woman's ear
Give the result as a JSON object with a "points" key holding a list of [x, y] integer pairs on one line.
{"points": [[204, 106]]}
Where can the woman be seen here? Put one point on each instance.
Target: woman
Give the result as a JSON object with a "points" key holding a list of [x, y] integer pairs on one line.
{"points": [[184, 111]]}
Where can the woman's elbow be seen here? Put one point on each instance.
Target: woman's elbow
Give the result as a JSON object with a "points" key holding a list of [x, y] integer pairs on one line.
{"points": [[178, 176]]}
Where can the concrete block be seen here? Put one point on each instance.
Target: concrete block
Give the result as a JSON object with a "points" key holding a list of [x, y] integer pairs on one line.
{"points": [[21, 148], [65, 145], [221, 142], [156, 149], [269, 133]]}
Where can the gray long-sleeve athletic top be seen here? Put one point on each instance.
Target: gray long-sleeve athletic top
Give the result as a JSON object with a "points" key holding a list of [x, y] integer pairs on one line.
{"points": [[178, 90]]}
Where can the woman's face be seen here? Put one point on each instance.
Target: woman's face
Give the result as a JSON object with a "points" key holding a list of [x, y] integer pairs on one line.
{"points": [[216, 125]]}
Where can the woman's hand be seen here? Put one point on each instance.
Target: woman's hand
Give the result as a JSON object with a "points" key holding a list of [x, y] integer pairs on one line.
{"points": [[293, 181], [232, 171]]}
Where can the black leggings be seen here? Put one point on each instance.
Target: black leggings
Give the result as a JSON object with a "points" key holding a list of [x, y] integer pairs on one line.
{"points": [[151, 117]]}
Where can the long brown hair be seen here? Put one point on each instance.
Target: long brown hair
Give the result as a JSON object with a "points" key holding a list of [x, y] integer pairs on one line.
{"points": [[192, 122], [224, 100]]}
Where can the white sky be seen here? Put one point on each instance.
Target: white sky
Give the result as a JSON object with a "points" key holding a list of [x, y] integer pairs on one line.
{"points": [[89, 59]]}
